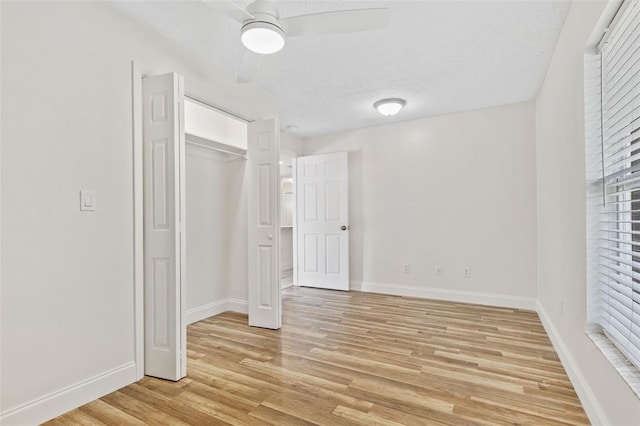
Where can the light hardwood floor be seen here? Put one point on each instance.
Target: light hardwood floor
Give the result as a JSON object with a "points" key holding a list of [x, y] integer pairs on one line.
{"points": [[348, 358]]}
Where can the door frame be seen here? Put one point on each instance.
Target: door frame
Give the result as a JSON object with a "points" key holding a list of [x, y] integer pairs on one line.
{"points": [[294, 213], [138, 220]]}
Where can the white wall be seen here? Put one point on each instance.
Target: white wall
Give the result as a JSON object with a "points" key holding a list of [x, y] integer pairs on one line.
{"points": [[561, 204], [67, 303], [213, 125], [286, 250], [455, 191], [290, 142], [216, 234], [237, 214], [206, 228]]}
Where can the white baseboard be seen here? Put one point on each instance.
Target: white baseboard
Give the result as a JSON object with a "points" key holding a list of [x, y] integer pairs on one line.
{"points": [[71, 397], [503, 301], [286, 273], [206, 311], [59, 402], [589, 401], [215, 308], [237, 305]]}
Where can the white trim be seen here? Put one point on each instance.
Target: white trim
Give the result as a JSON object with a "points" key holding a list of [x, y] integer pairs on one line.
{"points": [[71, 397], [182, 208], [216, 308], [206, 311], [625, 368], [587, 398], [294, 220], [138, 220], [237, 305], [505, 301]]}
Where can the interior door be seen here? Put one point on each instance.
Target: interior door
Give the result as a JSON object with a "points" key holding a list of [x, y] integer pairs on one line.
{"points": [[163, 187], [264, 224], [322, 225]]}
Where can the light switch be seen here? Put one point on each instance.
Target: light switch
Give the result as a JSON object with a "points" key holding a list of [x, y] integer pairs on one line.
{"points": [[87, 200]]}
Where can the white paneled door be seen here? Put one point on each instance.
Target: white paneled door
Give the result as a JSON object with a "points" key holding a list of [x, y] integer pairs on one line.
{"points": [[163, 164], [322, 225], [264, 224]]}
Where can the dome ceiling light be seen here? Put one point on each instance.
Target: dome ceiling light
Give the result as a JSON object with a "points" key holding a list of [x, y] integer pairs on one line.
{"points": [[389, 106]]}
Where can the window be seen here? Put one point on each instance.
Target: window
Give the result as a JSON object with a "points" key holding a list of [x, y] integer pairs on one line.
{"points": [[615, 299]]}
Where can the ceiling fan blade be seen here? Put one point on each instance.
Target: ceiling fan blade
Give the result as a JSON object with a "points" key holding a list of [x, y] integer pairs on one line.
{"points": [[230, 9], [341, 21], [249, 66]]}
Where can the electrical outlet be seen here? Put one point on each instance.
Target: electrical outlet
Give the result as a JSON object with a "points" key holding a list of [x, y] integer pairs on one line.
{"points": [[467, 272], [439, 270], [406, 268]]}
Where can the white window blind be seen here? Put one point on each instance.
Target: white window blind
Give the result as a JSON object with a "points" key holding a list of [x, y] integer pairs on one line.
{"points": [[619, 265]]}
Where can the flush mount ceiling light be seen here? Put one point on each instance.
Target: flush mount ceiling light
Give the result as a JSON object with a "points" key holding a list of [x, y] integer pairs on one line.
{"points": [[389, 106], [262, 37]]}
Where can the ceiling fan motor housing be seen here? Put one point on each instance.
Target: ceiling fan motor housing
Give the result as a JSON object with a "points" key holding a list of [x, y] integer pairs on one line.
{"points": [[264, 11], [262, 6], [263, 18]]}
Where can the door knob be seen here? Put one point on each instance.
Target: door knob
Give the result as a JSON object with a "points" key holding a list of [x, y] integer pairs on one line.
{"points": [[344, 227]]}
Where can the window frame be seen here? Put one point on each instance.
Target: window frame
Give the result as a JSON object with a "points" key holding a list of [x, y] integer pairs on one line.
{"points": [[605, 207]]}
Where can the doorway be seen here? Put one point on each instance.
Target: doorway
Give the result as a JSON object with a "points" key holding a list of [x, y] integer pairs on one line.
{"points": [[287, 199], [315, 199]]}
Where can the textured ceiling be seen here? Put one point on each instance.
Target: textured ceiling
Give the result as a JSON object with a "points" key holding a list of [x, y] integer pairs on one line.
{"points": [[441, 56]]}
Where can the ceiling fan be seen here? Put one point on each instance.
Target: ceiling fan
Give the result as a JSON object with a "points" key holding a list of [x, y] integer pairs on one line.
{"points": [[264, 32]]}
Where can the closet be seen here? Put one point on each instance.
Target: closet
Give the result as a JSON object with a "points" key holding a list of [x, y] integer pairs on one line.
{"points": [[216, 147], [208, 183]]}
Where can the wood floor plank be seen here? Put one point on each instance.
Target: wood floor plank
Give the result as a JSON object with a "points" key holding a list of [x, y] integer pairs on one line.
{"points": [[351, 358], [275, 417], [107, 414], [76, 418], [359, 418], [142, 411]]}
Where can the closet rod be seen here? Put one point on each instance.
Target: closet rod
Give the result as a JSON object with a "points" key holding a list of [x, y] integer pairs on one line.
{"points": [[217, 149], [222, 110]]}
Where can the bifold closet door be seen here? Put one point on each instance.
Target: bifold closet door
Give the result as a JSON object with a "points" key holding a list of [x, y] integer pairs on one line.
{"points": [[163, 164], [264, 225]]}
